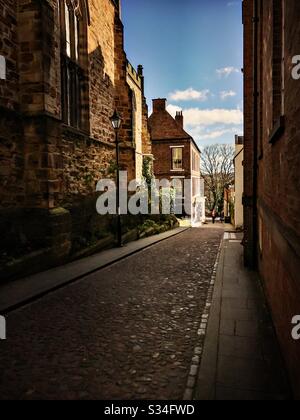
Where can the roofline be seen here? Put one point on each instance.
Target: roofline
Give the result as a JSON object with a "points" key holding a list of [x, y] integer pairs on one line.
{"points": [[179, 139], [197, 147], [172, 139]]}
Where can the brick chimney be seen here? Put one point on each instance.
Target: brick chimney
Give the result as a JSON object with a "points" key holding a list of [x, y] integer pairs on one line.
{"points": [[159, 105], [179, 118]]}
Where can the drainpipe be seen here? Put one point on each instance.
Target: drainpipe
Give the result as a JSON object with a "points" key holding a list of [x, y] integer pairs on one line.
{"points": [[255, 129]]}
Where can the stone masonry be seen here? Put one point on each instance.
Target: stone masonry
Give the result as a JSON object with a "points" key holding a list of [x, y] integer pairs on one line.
{"points": [[47, 167], [141, 135]]}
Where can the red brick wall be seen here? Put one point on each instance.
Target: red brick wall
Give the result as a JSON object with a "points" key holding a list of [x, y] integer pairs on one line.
{"points": [[248, 131], [277, 166], [162, 153]]}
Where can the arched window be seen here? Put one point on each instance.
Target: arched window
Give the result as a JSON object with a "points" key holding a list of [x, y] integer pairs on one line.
{"points": [[73, 61], [133, 116]]}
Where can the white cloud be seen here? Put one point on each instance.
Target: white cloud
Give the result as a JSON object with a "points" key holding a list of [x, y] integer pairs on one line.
{"points": [[227, 71], [190, 95], [225, 94], [215, 133], [206, 125], [207, 117], [210, 124], [172, 109]]}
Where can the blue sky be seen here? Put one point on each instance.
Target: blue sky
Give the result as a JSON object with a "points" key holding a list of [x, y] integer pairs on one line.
{"points": [[192, 55]]}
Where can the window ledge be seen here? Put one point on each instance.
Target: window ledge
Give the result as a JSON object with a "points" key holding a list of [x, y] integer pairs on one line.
{"points": [[278, 130], [70, 129]]}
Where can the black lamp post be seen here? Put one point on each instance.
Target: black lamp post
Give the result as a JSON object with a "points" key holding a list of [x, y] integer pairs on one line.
{"points": [[116, 121]]}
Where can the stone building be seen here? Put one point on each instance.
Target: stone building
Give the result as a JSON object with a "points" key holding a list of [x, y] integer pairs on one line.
{"points": [[141, 136], [272, 161], [177, 156], [63, 73], [239, 182]]}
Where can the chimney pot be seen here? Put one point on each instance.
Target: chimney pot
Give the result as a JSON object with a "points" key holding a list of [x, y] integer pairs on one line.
{"points": [[179, 118]]}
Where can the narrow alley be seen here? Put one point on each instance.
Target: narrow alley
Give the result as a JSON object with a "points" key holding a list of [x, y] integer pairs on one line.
{"points": [[137, 330], [149, 201]]}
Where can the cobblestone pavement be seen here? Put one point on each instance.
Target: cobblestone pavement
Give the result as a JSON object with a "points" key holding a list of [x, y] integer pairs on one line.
{"points": [[126, 332]]}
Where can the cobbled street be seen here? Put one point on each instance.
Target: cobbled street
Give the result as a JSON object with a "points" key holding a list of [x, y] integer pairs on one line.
{"points": [[126, 332]]}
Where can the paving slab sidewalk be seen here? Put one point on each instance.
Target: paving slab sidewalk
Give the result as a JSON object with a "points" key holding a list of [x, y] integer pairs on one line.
{"points": [[241, 358], [21, 291]]}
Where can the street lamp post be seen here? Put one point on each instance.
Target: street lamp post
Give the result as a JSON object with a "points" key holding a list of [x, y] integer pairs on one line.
{"points": [[116, 123]]}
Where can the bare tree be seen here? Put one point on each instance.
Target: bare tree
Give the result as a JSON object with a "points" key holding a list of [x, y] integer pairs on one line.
{"points": [[218, 172]]}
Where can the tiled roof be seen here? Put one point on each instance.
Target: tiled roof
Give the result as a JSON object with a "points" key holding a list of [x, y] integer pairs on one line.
{"points": [[164, 127]]}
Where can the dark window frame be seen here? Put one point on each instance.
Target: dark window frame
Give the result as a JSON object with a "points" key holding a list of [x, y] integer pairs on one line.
{"points": [[74, 80], [278, 62]]}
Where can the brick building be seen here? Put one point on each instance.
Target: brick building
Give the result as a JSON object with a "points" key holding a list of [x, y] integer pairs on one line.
{"points": [[63, 72], [176, 155], [272, 161]]}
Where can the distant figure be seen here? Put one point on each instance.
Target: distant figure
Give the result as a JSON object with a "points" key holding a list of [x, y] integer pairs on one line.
{"points": [[214, 216]]}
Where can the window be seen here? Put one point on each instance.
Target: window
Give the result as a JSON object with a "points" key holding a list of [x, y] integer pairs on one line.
{"points": [[278, 64], [73, 40], [177, 161], [133, 116]]}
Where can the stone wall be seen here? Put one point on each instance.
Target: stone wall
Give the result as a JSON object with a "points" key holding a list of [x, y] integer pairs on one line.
{"points": [[9, 91], [101, 50], [135, 84], [46, 167], [123, 101], [85, 161], [11, 149], [142, 140]]}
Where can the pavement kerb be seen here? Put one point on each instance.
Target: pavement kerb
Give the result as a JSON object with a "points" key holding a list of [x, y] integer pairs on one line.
{"points": [[206, 380], [204, 361]]}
